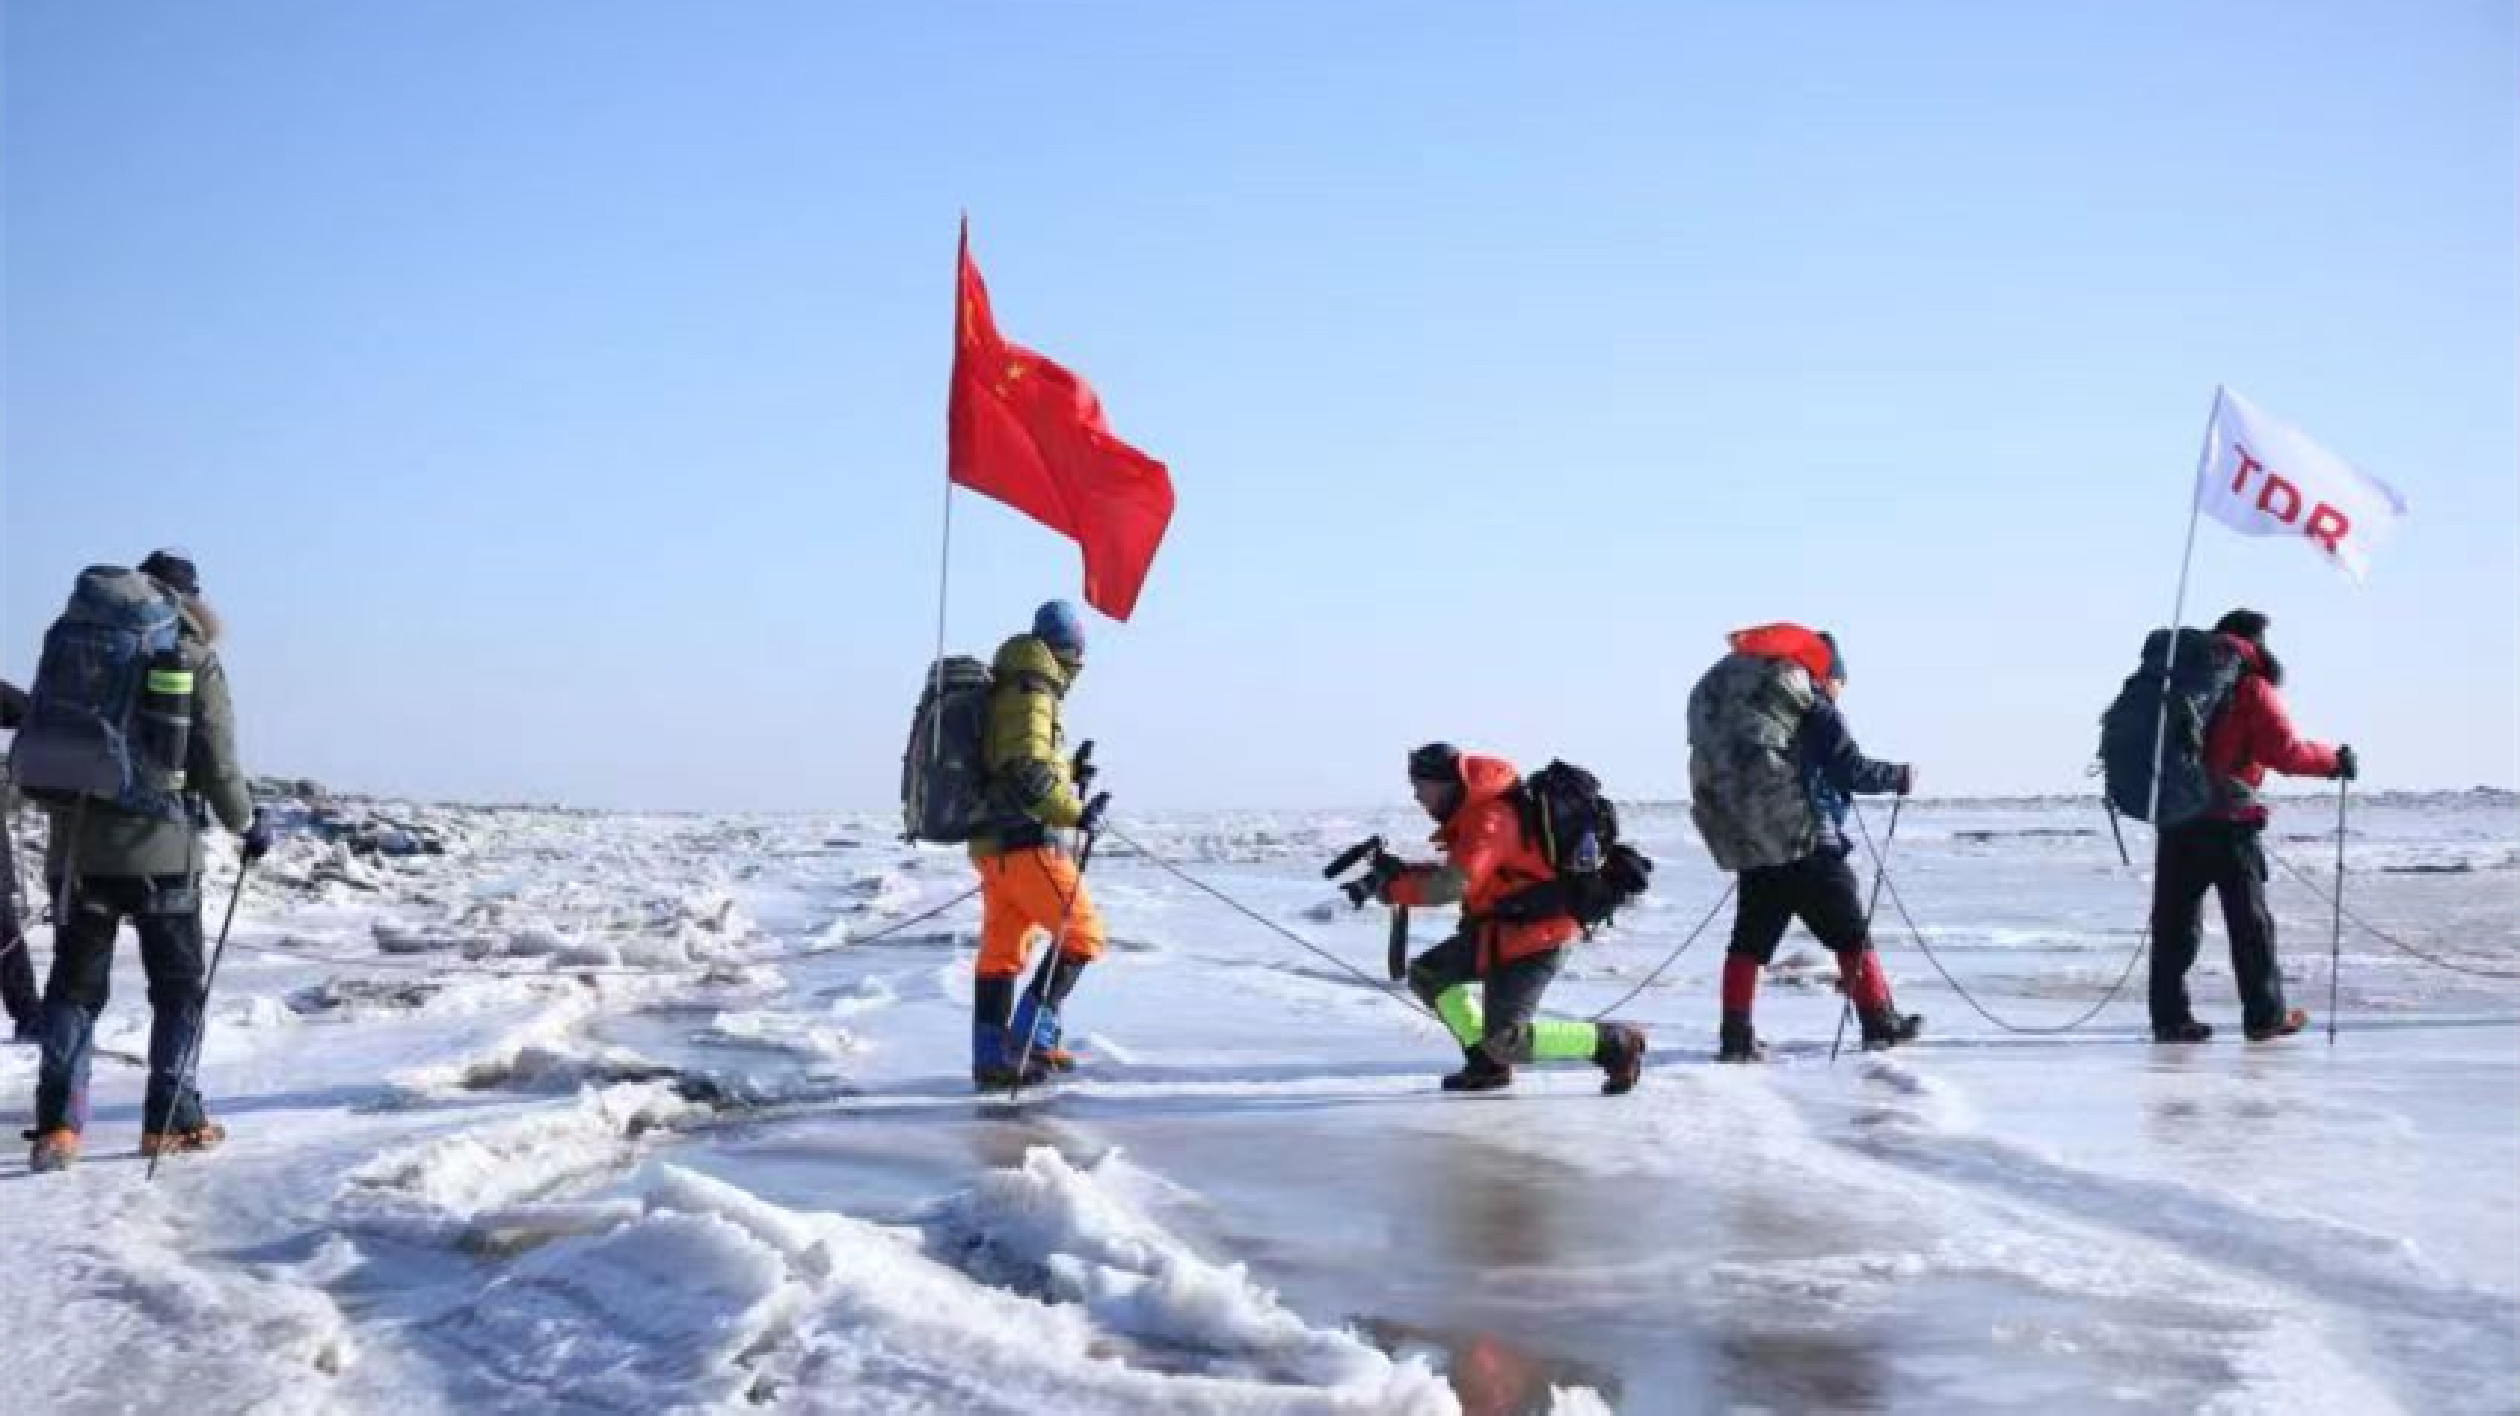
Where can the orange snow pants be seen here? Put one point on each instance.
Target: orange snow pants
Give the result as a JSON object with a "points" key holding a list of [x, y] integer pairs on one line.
{"points": [[1028, 890]]}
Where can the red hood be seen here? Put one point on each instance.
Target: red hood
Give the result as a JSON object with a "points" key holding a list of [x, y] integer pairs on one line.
{"points": [[1786, 641], [1485, 778]]}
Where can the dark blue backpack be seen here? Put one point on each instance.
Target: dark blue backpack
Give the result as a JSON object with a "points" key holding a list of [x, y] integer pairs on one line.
{"points": [[2197, 687], [109, 718]]}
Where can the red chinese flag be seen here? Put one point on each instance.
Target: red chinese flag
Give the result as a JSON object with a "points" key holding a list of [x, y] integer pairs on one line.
{"points": [[1031, 434]]}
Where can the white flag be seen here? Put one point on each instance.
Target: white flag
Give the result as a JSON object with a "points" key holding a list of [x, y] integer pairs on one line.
{"points": [[2261, 476]]}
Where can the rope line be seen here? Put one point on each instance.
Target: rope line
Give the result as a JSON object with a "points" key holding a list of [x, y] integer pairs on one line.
{"points": [[2329, 894], [1388, 990], [1378, 985], [1918, 936], [1673, 957]]}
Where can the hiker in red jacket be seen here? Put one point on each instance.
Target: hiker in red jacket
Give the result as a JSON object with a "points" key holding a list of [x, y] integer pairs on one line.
{"points": [[2250, 737]]}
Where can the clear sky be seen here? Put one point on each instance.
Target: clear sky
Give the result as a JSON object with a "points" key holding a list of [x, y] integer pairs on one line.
{"points": [[554, 394]]}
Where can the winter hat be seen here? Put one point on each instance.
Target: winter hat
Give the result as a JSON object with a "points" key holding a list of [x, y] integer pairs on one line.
{"points": [[2244, 624], [174, 570], [1435, 762], [1057, 624], [1837, 657]]}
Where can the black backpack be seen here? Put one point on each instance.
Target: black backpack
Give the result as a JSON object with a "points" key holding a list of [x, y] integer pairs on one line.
{"points": [[2197, 688], [1577, 828], [945, 770]]}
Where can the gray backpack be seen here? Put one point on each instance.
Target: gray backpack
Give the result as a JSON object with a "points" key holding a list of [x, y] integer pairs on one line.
{"points": [[945, 770], [109, 719]]}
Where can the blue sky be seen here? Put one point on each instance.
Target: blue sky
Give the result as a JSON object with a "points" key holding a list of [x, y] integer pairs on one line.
{"points": [[554, 395]]}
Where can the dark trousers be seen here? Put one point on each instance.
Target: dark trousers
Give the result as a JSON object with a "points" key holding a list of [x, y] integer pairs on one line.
{"points": [[2228, 858], [1509, 996], [1820, 890], [166, 912], [17, 959]]}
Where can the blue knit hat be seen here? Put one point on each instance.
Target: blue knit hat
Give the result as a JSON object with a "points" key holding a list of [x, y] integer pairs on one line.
{"points": [[1058, 625], [1837, 657]]}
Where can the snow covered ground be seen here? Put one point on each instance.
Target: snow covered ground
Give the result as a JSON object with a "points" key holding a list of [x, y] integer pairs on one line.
{"points": [[597, 1113]]}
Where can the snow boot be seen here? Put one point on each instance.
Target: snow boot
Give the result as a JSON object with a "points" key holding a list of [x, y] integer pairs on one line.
{"points": [[2189, 1031], [1041, 1020], [2293, 1021], [1479, 1073], [1737, 1043], [207, 1136], [1886, 1027], [56, 1149], [1621, 1056], [992, 1058], [993, 1062]]}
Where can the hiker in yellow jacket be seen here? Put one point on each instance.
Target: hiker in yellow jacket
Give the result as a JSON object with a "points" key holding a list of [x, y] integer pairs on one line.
{"points": [[1029, 880]]}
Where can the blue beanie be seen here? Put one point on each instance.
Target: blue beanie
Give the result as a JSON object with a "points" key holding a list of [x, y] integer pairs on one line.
{"points": [[1057, 624], [1837, 656]]}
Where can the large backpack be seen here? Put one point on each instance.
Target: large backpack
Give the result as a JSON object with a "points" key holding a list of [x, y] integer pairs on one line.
{"points": [[2196, 687], [109, 719], [1577, 828], [945, 770]]}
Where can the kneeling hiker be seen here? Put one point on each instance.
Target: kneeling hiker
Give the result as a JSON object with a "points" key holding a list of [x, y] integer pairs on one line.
{"points": [[1771, 771], [1512, 947]]}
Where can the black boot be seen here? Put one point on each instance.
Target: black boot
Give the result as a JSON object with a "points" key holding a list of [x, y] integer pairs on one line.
{"points": [[1620, 1054], [1886, 1027], [2189, 1031], [1737, 1043], [992, 1051], [1479, 1073]]}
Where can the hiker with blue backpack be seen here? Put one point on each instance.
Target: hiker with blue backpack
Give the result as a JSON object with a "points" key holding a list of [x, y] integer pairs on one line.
{"points": [[130, 745], [2209, 818]]}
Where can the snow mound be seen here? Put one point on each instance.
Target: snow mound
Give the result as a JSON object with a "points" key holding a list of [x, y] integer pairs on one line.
{"points": [[702, 1294], [548, 1054], [436, 1188], [778, 1032], [1078, 1231], [865, 996]]}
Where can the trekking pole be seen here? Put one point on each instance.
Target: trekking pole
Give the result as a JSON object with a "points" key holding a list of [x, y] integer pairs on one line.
{"points": [[2116, 834], [1040, 986], [1881, 872], [2336, 937], [192, 1053]]}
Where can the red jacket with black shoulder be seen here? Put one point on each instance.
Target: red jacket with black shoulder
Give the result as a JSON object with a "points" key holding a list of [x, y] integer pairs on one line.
{"points": [[2253, 736]]}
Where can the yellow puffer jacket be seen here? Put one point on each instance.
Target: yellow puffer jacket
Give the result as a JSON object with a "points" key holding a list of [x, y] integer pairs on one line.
{"points": [[1026, 749]]}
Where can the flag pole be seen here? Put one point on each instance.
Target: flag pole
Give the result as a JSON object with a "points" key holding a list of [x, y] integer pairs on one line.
{"points": [[944, 579], [2336, 935], [945, 540], [2178, 612]]}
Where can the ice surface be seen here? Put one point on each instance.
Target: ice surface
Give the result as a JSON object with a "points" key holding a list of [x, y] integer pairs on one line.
{"points": [[741, 1166]]}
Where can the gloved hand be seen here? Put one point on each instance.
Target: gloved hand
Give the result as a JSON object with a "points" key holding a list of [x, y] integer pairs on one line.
{"points": [[1382, 875], [2348, 766], [1081, 768], [1091, 821], [1375, 883], [258, 837], [1907, 780]]}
